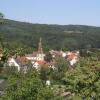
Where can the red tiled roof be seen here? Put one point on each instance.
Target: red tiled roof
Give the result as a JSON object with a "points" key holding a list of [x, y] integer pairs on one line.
{"points": [[41, 62], [71, 56], [46, 64], [22, 60], [57, 53]]}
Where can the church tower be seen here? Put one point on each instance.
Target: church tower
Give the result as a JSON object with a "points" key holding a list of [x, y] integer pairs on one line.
{"points": [[40, 50], [40, 55]]}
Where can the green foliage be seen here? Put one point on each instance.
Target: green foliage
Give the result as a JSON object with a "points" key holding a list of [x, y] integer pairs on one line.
{"points": [[60, 68], [26, 87], [45, 73], [4, 58], [1, 18], [84, 80], [54, 36], [5, 55], [48, 57]]}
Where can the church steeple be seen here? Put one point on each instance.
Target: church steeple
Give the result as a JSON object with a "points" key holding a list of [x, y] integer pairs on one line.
{"points": [[40, 55], [40, 50]]}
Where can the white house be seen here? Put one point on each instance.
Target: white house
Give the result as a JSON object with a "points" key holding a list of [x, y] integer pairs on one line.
{"points": [[35, 64], [12, 62], [72, 57]]}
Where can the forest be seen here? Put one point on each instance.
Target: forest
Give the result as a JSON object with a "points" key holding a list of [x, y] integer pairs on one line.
{"points": [[59, 37]]}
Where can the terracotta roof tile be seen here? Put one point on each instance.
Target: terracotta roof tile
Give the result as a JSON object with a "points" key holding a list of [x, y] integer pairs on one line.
{"points": [[71, 56], [41, 62], [22, 60]]}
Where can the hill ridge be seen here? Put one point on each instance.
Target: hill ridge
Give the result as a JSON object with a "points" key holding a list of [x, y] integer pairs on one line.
{"points": [[54, 36]]}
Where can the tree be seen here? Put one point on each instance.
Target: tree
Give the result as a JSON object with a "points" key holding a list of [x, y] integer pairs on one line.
{"points": [[45, 73], [1, 15], [84, 80], [19, 52], [5, 55], [26, 87], [61, 67], [1, 22], [1, 18], [1, 41], [48, 57]]}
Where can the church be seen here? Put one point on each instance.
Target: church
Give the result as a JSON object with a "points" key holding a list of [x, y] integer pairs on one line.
{"points": [[40, 55]]}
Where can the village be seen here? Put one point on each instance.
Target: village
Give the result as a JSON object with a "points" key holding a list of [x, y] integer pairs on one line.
{"points": [[39, 58], [49, 50], [54, 74]]}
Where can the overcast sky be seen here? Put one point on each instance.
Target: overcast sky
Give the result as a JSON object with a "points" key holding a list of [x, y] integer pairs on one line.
{"points": [[84, 12]]}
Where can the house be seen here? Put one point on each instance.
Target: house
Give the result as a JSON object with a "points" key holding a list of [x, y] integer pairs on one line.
{"points": [[37, 64], [12, 62], [55, 53], [72, 57], [63, 54], [23, 62], [20, 62]]}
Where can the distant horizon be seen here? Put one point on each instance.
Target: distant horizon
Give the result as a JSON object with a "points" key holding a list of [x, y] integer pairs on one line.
{"points": [[51, 23], [59, 12]]}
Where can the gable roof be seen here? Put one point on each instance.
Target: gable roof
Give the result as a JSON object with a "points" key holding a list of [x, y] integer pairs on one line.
{"points": [[41, 62], [22, 60], [71, 56]]}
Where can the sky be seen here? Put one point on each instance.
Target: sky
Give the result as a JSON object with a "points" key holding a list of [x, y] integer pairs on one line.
{"points": [[63, 12]]}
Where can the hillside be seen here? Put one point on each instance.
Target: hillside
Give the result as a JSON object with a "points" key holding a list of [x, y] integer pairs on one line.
{"points": [[16, 34]]}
